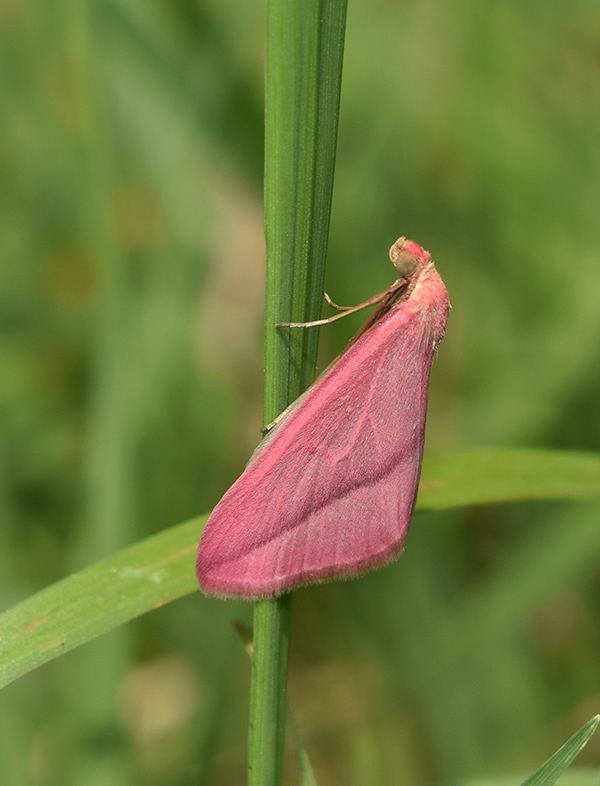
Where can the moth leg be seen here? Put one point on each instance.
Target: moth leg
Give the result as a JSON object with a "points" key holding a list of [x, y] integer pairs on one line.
{"points": [[277, 420], [271, 425], [347, 310], [335, 305]]}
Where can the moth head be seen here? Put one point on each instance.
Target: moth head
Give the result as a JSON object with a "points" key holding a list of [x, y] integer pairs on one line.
{"points": [[406, 256]]}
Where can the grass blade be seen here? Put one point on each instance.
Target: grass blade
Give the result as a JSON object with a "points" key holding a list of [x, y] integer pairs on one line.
{"points": [[160, 569], [489, 476], [305, 41], [95, 600], [553, 768]]}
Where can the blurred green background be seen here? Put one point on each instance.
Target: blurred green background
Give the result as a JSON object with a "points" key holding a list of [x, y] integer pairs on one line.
{"points": [[131, 297]]}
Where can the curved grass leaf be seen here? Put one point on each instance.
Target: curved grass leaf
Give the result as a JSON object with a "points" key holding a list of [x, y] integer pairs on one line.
{"points": [[117, 589], [160, 569], [575, 776], [489, 476], [553, 768]]}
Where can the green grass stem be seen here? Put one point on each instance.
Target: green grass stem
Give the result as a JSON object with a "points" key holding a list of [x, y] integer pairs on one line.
{"points": [[303, 78]]}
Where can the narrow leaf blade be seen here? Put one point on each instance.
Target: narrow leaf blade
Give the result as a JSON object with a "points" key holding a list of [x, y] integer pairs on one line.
{"points": [[491, 476], [160, 569], [117, 589], [553, 768]]}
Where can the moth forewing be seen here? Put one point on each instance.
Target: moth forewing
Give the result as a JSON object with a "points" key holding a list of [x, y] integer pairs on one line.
{"points": [[331, 490]]}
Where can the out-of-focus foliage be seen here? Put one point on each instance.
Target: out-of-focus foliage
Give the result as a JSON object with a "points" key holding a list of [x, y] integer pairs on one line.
{"points": [[130, 376]]}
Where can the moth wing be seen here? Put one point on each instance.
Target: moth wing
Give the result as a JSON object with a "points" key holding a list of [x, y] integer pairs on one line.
{"points": [[333, 490]]}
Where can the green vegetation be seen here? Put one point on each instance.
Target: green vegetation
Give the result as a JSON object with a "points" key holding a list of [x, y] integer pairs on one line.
{"points": [[131, 308]]}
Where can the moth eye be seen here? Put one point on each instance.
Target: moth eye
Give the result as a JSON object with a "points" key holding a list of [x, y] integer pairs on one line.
{"points": [[405, 263]]}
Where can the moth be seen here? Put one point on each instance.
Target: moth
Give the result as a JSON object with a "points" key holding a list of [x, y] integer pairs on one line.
{"points": [[330, 491]]}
